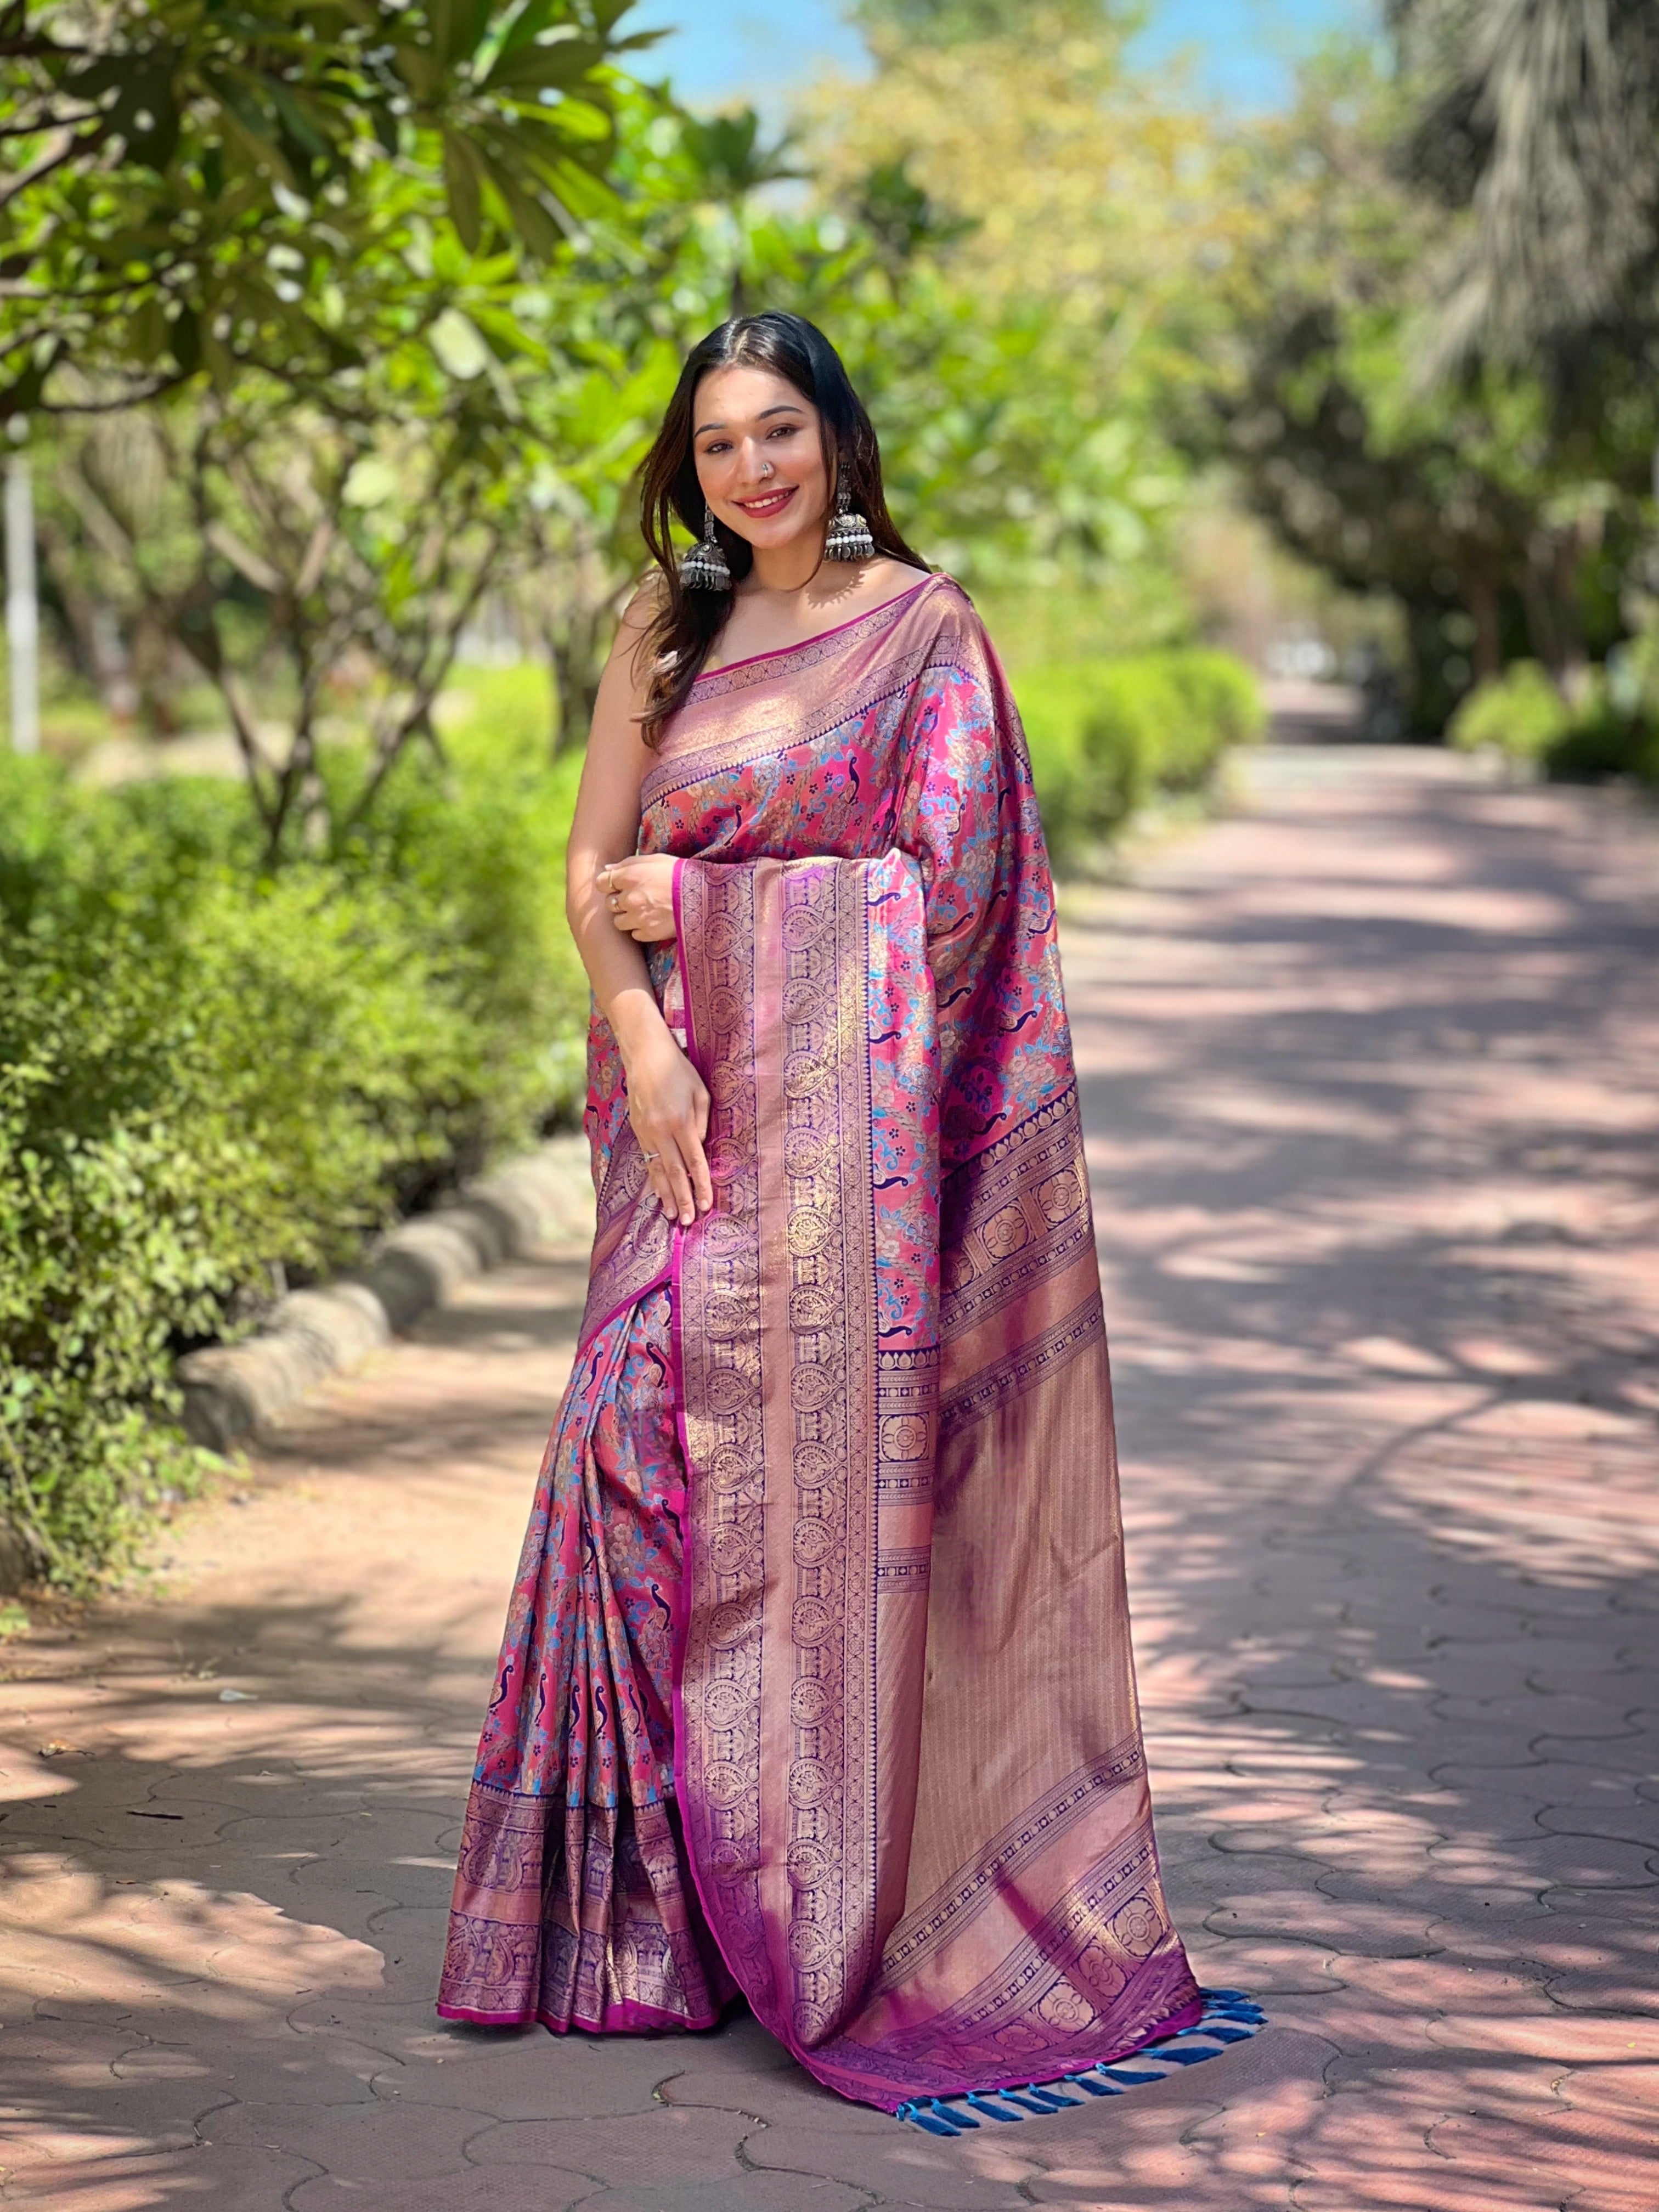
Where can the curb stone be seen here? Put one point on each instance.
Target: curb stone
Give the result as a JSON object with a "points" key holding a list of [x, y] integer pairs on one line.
{"points": [[546, 1197]]}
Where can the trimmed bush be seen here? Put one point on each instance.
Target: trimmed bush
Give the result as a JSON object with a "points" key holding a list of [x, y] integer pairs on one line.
{"points": [[211, 1084], [1605, 741], [1521, 713], [1611, 730], [1108, 735]]}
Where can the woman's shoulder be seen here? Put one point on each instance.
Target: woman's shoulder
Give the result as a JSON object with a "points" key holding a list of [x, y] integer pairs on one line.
{"points": [[878, 583], [944, 604], [887, 570], [888, 580]]}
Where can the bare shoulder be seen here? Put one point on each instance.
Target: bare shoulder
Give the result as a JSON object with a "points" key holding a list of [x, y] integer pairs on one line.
{"points": [[885, 577], [875, 584]]}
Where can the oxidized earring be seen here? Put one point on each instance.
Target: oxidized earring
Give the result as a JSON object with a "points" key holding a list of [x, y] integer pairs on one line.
{"points": [[704, 568], [847, 537]]}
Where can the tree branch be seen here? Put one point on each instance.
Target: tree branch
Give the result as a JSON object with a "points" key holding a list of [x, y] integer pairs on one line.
{"points": [[391, 747], [36, 128], [66, 147]]}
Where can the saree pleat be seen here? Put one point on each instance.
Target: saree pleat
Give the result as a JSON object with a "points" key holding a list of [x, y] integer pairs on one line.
{"points": [[824, 1590], [572, 1903]]}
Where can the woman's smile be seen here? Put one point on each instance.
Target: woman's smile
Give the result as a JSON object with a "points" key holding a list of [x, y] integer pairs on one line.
{"points": [[765, 504]]}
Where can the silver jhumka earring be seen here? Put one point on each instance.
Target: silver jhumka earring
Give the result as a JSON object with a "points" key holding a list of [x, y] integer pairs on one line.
{"points": [[847, 537], [704, 568]]}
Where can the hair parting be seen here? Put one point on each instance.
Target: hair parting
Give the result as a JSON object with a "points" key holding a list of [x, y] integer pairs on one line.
{"points": [[686, 623]]}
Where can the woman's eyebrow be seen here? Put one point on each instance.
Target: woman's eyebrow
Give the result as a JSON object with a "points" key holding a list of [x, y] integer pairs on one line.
{"points": [[783, 407]]}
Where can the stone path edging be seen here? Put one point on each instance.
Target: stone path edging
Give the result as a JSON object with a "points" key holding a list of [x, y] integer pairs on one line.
{"points": [[546, 1197]]}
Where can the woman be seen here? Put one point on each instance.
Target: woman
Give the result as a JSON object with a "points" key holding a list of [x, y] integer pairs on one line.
{"points": [[817, 1683]]}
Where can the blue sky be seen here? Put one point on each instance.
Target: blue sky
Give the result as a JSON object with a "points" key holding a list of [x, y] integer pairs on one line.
{"points": [[1242, 50]]}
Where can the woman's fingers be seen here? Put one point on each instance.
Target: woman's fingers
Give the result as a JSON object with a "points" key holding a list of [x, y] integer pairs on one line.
{"points": [[613, 888], [679, 1184], [662, 1188], [637, 917], [671, 1180], [639, 895], [702, 1183], [702, 1187], [678, 1169], [699, 1184]]}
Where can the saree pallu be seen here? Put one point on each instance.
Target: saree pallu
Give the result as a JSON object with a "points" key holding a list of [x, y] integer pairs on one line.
{"points": [[818, 1683]]}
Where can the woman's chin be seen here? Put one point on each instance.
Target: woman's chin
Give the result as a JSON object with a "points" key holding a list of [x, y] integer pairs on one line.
{"points": [[783, 535]]}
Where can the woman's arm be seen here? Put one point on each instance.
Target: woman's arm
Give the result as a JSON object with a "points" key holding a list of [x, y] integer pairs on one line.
{"points": [[667, 1103]]}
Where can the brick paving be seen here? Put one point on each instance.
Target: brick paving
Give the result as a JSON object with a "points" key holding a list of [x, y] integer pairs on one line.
{"points": [[1369, 1069]]}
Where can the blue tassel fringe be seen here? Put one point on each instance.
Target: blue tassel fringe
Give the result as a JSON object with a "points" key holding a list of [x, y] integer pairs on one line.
{"points": [[1230, 2016]]}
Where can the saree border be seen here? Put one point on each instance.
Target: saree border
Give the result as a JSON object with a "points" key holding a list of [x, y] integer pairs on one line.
{"points": [[941, 1918], [807, 651], [718, 1645], [783, 1530]]}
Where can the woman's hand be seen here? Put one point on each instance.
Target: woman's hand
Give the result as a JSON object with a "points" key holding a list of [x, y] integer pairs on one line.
{"points": [[668, 1107], [640, 895]]}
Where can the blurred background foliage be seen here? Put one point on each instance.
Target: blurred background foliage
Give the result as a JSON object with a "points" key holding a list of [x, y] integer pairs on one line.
{"points": [[334, 336]]}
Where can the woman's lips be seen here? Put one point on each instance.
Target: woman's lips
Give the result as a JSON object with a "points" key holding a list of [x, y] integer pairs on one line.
{"points": [[769, 504]]}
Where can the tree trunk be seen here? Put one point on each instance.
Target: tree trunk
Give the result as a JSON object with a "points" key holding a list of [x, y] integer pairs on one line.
{"points": [[1549, 592], [571, 648], [1429, 697], [1481, 593]]}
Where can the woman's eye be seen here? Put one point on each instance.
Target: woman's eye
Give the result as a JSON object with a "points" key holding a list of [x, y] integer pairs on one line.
{"points": [[784, 430]]}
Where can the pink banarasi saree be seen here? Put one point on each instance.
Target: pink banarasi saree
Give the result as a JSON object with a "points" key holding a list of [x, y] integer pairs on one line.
{"points": [[817, 1682]]}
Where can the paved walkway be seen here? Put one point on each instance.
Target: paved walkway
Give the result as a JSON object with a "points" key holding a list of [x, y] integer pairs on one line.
{"points": [[1369, 1074]]}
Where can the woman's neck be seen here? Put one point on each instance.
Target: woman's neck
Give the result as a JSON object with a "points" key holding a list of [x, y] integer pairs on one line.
{"points": [[787, 567]]}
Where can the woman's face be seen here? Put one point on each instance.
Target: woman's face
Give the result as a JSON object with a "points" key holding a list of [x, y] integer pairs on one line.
{"points": [[760, 457]]}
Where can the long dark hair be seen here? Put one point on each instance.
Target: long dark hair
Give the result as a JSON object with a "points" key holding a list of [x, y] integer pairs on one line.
{"points": [[686, 623]]}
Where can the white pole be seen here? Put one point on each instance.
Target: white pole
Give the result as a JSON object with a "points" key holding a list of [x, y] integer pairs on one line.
{"points": [[22, 607]]}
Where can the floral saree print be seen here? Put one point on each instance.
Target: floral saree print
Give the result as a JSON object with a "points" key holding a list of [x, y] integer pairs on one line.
{"points": [[817, 1683]]}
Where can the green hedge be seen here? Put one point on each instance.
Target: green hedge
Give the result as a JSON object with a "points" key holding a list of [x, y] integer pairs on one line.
{"points": [[1521, 713], [1613, 730], [1108, 735], [211, 1082], [1605, 740]]}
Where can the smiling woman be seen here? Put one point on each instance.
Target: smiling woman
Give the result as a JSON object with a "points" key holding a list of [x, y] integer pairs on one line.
{"points": [[817, 1685], [768, 456]]}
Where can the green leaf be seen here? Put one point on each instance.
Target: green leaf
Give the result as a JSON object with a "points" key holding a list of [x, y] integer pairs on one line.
{"points": [[535, 228], [463, 186], [371, 482], [562, 63], [302, 121], [458, 344], [186, 340], [531, 19], [150, 334]]}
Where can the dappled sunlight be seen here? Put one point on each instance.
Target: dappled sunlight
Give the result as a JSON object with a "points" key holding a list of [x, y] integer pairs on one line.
{"points": [[208, 1954], [214, 1906], [1373, 1188], [138, 2007]]}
